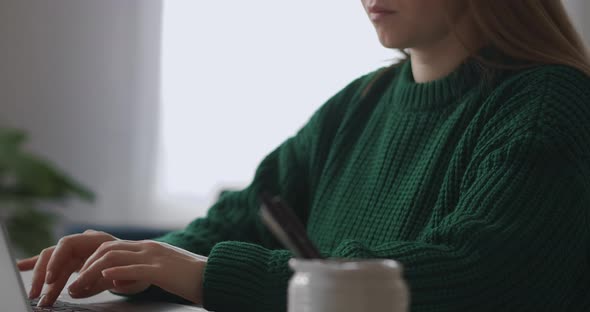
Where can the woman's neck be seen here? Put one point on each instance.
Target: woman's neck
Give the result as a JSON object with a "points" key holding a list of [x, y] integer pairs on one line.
{"points": [[437, 59]]}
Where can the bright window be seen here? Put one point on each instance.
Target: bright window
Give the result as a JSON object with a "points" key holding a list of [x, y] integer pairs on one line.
{"points": [[240, 77]]}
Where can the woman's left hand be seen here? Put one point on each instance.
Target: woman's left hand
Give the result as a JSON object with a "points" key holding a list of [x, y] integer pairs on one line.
{"points": [[135, 265]]}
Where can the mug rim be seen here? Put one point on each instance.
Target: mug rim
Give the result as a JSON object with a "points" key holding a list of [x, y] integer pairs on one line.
{"points": [[341, 265]]}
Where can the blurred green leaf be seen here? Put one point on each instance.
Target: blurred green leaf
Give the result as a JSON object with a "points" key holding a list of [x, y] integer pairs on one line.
{"points": [[31, 230], [25, 175], [25, 180], [11, 139]]}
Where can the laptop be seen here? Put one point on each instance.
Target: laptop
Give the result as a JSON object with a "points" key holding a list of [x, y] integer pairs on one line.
{"points": [[14, 299]]}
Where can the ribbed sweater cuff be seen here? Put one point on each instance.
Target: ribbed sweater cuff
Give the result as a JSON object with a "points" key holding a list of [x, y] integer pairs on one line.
{"points": [[235, 276]]}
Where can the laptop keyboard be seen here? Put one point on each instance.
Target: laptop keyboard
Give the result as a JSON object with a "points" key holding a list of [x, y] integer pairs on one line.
{"points": [[58, 306]]}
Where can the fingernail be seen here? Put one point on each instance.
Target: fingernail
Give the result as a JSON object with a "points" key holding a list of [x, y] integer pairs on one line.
{"points": [[73, 290], [42, 302], [49, 277], [73, 294]]}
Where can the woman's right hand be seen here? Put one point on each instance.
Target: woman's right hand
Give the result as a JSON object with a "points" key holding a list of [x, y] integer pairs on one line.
{"points": [[54, 265]]}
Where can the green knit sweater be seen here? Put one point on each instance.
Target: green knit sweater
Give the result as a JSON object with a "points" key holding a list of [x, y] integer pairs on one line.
{"points": [[480, 188]]}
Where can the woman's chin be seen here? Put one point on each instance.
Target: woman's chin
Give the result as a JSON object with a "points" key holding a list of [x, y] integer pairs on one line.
{"points": [[391, 44], [392, 41]]}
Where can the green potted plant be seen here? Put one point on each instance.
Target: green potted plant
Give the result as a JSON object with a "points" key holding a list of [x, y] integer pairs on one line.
{"points": [[26, 181]]}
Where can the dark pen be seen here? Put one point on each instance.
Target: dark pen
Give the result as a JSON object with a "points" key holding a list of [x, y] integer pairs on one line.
{"points": [[285, 225]]}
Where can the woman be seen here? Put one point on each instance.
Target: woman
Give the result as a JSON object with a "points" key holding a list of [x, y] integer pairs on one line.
{"points": [[468, 163]]}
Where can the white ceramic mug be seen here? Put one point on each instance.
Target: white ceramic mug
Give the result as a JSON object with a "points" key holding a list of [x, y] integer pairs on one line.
{"points": [[342, 285]]}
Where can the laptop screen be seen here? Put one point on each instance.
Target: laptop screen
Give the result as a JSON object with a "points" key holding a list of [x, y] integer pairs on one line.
{"points": [[12, 295]]}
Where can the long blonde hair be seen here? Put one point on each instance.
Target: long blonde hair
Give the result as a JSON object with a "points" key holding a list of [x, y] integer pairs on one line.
{"points": [[530, 31]]}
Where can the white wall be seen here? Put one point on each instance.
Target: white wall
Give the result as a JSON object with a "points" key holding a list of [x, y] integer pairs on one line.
{"points": [[82, 78], [579, 10], [233, 91]]}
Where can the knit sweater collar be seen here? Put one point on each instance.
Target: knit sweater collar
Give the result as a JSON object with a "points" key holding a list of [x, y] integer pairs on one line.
{"points": [[411, 95]]}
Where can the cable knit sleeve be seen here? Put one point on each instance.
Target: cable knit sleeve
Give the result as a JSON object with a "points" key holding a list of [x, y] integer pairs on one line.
{"points": [[508, 239]]}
